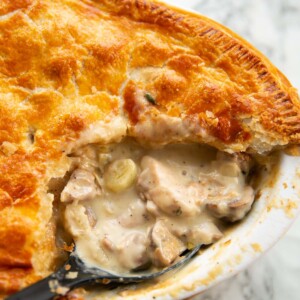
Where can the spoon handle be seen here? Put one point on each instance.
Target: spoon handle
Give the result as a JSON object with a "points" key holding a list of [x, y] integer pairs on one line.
{"points": [[54, 285], [40, 290], [60, 282]]}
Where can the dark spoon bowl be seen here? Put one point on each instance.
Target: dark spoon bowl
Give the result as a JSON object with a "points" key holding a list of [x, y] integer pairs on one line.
{"points": [[74, 273]]}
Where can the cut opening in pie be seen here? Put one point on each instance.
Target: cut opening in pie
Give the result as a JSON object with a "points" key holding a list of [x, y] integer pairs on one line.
{"points": [[128, 207]]}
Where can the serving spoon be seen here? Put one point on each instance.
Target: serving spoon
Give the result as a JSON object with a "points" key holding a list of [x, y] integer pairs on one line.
{"points": [[74, 273]]}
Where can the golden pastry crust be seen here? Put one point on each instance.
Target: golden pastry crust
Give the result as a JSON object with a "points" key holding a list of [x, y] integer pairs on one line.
{"points": [[80, 71]]}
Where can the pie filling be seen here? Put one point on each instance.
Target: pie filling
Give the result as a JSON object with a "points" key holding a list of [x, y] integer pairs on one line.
{"points": [[128, 207]]}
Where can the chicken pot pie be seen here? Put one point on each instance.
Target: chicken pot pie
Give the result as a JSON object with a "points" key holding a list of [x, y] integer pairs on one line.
{"points": [[98, 99]]}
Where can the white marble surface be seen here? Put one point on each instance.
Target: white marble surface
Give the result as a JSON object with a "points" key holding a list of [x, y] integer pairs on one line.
{"points": [[273, 26]]}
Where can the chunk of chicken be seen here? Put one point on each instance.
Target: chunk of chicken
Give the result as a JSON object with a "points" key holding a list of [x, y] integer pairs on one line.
{"points": [[232, 209], [166, 247], [159, 184], [132, 251], [81, 186], [203, 234]]}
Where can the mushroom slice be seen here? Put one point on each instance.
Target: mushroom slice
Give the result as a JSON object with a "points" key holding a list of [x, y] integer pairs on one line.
{"points": [[166, 247], [232, 209]]}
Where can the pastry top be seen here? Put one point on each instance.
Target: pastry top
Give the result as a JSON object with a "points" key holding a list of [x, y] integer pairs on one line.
{"points": [[74, 72]]}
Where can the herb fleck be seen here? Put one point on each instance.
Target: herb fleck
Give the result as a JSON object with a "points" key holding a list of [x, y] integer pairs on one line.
{"points": [[150, 99]]}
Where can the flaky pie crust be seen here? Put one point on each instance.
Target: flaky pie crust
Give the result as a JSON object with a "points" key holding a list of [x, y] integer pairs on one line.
{"points": [[70, 68]]}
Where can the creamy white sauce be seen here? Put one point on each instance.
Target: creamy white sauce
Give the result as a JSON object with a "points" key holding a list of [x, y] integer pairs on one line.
{"points": [[179, 189]]}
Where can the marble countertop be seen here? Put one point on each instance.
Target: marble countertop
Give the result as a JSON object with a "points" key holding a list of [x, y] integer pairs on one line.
{"points": [[273, 26]]}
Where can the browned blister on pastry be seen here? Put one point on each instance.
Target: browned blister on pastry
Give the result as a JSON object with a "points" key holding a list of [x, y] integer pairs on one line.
{"points": [[74, 72]]}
